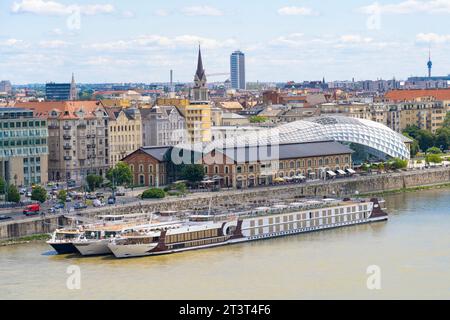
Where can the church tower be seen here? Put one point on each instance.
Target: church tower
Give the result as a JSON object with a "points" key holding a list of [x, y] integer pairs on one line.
{"points": [[73, 89], [200, 90]]}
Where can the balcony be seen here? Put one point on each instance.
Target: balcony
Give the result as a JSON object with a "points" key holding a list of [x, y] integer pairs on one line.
{"points": [[67, 147], [67, 127], [67, 137], [53, 126], [81, 126], [89, 146], [67, 158]]}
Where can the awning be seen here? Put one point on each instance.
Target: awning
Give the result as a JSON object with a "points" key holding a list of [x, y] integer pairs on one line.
{"points": [[331, 173], [341, 172], [278, 180], [351, 171]]}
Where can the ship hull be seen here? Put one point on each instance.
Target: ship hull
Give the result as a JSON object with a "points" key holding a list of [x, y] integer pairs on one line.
{"points": [[128, 251], [93, 248], [63, 248]]}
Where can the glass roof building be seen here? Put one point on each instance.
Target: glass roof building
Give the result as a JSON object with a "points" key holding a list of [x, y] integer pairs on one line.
{"points": [[370, 140]]}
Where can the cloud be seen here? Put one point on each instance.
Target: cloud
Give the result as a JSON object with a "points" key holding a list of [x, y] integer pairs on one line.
{"points": [[156, 42], [354, 38], [53, 44], [128, 14], [432, 38], [296, 11], [53, 8], [162, 12], [202, 11], [408, 7]]}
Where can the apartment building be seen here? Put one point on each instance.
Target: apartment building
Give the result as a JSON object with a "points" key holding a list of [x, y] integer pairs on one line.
{"points": [[125, 132], [78, 133], [163, 126], [23, 147]]}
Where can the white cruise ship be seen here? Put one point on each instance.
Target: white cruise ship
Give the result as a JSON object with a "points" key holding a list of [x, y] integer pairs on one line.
{"points": [[205, 231]]}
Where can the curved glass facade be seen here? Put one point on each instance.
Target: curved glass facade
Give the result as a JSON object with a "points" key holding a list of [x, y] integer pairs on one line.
{"points": [[375, 138]]}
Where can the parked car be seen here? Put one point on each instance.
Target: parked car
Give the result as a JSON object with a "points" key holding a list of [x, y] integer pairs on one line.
{"points": [[59, 205], [52, 210], [28, 194], [79, 206], [68, 199], [98, 203], [71, 183], [23, 191], [111, 200], [3, 217], [120, 193], [91, 196]]}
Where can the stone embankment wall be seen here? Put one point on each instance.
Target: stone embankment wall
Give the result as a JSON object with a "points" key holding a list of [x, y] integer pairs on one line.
{"points": [[23, 228], [230, 198]]}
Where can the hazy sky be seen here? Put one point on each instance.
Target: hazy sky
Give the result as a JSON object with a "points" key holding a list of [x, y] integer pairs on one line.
{"points": [[141, 40]]}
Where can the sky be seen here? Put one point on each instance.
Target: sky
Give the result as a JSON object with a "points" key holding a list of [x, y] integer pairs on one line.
{"points": [[141, 40]]}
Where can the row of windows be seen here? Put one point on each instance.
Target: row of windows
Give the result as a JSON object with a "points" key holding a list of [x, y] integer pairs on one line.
{"points": [[305, 224], [310, 215], [14, 143], [197, 243], [192, 236], [121, 128], [22, 124]]}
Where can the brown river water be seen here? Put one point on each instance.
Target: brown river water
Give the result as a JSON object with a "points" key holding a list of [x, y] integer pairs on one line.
{"points": [[411, 250]]}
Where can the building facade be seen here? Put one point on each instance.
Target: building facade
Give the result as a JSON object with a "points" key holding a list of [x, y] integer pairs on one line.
{"points": [[78, 138], [244, 167], [237, 70], [61, 91], [163, 126], [149, 166], [125, 133], [23, 147]]}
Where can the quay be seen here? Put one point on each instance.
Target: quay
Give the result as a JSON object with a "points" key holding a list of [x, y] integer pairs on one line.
{"points": [[350, 186]]}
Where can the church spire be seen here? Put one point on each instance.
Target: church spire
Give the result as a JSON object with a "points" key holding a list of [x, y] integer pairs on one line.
{"points": [[200, 90], [73, 89], [200, 74]]}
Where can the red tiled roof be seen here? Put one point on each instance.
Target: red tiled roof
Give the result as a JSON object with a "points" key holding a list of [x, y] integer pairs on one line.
{"points": [[66, 108], [408, 95]]}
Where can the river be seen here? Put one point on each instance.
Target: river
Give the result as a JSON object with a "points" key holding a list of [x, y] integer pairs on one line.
{"points": [[411, 253]]}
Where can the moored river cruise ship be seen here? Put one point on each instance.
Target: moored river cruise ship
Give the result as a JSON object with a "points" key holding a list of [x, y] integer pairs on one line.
{"points": [[205, 231]]}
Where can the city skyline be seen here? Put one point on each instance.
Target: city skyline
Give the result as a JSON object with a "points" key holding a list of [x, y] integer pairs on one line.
{"points": [[111, 41]]}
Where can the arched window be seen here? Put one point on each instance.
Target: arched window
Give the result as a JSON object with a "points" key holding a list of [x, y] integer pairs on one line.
{"points": [[206, 169], [150, 168], [337, 160], [141, 168]]}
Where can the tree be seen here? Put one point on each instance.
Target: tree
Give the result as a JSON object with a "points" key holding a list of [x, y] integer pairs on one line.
{"points": [[13, 194], [62, 196], [94, 181], [433, 158], [193, 173], [257, 119], [39, 194], [180, 187], [2, 185], [414, 146], [397, 163], [446, 123], [121, 174], [153, 193], [425, 139], [434, 150]]}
